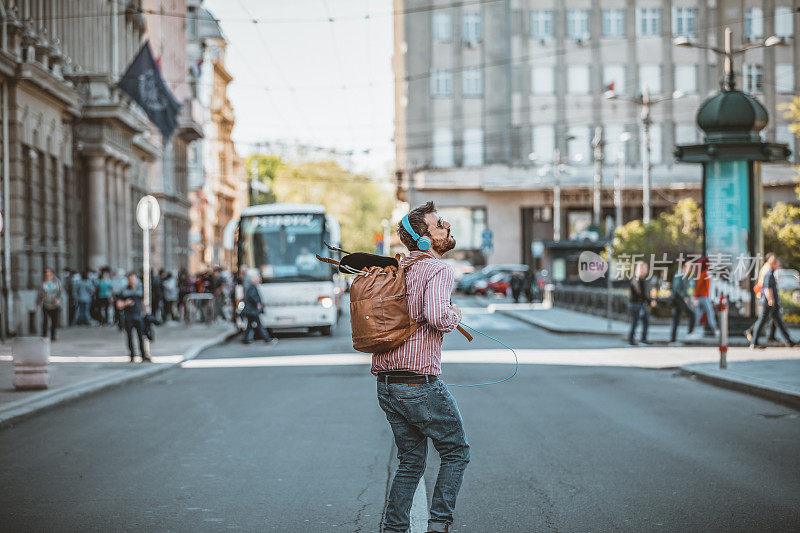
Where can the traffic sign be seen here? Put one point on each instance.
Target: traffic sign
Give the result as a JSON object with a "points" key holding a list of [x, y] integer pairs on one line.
{"points": [[148, 213]]}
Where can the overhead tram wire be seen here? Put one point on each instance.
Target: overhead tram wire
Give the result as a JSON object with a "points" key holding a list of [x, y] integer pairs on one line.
{"points": [[346, 106]]}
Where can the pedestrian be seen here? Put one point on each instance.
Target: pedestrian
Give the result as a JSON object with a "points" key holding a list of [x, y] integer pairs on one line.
{"points": [[748, 333], [130, 304], [49, 299], [702, 303], [71, 305], [217, 288], [517, 285], [252, 310], [416, 402], [104, 291], [528, 285], [171, 294], [184, 288], [681, 303], [156, 294], [639, 303], [83, 292], [118, 284], [770, 306]]}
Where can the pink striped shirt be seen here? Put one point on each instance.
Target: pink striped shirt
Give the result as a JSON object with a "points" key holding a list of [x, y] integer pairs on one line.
{"points": [[429, 283]]}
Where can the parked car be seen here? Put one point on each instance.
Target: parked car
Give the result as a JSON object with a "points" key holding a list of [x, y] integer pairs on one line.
{"points": [[500, 283], [788, 281], [478, 282], [460, 268]]}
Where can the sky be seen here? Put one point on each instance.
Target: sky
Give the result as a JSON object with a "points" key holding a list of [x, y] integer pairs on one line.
{"points": [[300, 77]]}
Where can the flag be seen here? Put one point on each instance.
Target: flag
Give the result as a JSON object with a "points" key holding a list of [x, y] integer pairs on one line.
{"points": [[143, 82]]}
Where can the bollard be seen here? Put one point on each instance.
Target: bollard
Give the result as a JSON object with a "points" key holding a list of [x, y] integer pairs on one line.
{"points": [[723, 332], [31, 357]]}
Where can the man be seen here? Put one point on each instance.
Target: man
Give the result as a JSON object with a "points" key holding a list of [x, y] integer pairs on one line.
{"points": [[252, 312], [702, 288], [130, 305], [417, 404], [638, 304], [748, 333], [681, 301], [770, 306], [49, 299], [83, 292]]}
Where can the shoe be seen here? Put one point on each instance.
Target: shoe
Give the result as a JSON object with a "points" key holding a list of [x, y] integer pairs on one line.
{"points": [[133, 359], [146, 359], [646, 342], [716, 332], [632, 344], [791, 344], [675, 344], [272, 341], [748, 334], [757, 347], [246, 342]]}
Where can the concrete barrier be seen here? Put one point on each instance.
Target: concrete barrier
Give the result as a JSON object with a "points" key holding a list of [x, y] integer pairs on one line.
{"points": [[31, 357]]}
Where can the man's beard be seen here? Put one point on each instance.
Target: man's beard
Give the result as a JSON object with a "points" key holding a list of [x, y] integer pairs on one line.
{"points": [[444, 245]]}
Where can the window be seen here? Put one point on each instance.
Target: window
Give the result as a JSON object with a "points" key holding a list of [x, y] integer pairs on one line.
{"points": [[753, 23], [613, 144], [442, 27], [685, 134], [441, 83], [614, 78], [579, 145], [443, 147], [783, 22], [578, 24], [784, 78], [655, 144], [467, 225], [472, 82], [473, 147], [686, 78], [578, 79], [541, 24], [542, 80], [614, 23], [650, 77], [753, 79], [683, 21], [544, 143], [471, 32], [649, 22]]}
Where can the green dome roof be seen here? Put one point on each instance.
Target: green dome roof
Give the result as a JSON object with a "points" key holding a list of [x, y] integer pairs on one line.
{"points": [[732, 116]]}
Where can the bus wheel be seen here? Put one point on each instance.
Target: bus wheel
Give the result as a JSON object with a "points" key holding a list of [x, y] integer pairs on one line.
{"points": [[326, 331]]}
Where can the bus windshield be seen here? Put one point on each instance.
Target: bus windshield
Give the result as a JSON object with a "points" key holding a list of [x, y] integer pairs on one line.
{"points": [[282, 247]]}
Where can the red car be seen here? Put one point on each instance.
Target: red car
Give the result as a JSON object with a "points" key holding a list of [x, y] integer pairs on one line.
{"points": [[500, 283]]}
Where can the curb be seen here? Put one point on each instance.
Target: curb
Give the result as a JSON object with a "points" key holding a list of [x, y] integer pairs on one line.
{"points": [[753, 386], [18, 411]]}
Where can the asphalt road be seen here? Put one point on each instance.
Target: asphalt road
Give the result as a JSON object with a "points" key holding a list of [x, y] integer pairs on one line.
{"points": [[244, 440]]}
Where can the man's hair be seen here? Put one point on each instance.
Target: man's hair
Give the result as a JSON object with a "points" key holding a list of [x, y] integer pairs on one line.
{"points": [[769, 256], [417, 220]]}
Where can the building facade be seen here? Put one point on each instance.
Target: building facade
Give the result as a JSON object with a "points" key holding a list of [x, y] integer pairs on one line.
{"points": [[78, 153], [490, 94], [218, 187]]}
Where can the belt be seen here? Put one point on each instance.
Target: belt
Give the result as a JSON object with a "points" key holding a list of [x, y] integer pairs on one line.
{"points": [[386, 377]]}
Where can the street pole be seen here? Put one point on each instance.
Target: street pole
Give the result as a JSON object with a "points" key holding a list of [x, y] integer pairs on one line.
{"points": [[645, 156], [597, 143], [608, 288], [146, 285], [557, 195], [386, 235], [618, 184]]}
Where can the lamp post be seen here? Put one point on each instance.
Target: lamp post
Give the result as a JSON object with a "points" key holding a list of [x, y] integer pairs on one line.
{"points": [[557, 167], [597, 155], [619, 181], [645, 102], [732, 154]]}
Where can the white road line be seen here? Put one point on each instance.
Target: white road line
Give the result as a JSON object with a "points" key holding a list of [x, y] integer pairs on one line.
{"points": [[419, 509]]}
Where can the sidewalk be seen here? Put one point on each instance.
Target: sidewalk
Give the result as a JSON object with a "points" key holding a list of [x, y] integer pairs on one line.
{"points": [[88, 359], [558, 320]]}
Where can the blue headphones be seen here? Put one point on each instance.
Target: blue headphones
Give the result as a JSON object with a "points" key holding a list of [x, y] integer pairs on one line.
{"points": [[423, 243]]}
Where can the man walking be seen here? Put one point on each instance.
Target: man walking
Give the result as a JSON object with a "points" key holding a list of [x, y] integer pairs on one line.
{"points": [[49, 299], [83, 292], [702, 288], [252, 312], [680, 301], [770, 306], [130, 304], [638, 304], [417, 403]]}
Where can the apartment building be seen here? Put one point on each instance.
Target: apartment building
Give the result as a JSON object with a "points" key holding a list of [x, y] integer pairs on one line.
{"points": [[489, 93]]}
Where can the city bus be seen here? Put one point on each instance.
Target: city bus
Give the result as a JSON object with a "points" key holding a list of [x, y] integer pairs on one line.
{"points": [[279, 242]]}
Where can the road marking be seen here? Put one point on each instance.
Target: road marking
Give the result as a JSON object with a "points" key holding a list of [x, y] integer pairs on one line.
{"points": [[418, 517]]}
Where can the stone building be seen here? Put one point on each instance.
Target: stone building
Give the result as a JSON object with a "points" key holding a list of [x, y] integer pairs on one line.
{"points": [[490, 93], [77, 153], [218, 179]]}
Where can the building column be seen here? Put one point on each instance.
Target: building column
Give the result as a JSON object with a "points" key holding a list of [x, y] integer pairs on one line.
{"points": [[97, 243], [128, 218], [60, 220], [119, 202], [111, 220]]}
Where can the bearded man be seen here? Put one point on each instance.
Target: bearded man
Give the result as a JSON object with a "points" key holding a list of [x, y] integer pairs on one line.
{"points": [[417, 403]]}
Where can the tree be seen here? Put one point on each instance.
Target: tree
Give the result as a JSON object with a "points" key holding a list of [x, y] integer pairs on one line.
{"points": [[357, 202], [672, 233], [266, 167]]}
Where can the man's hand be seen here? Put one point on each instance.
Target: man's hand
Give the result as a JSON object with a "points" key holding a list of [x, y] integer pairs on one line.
{"points": [[455, 308]]}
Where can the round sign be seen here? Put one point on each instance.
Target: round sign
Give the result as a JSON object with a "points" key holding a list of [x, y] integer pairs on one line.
{"points": [[148, 212]]}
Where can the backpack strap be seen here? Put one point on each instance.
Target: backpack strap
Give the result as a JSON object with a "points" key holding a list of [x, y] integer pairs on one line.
{"points": [[464, 332], [335, 249], [327, 260]]}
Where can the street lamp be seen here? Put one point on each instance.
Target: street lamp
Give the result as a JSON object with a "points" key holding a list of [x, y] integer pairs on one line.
{"points": [[619, 181], [644, 101], [597, 155], [556, 167]]}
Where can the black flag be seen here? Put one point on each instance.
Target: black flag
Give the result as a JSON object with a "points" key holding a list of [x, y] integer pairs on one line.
{"points": [[143, 82]]}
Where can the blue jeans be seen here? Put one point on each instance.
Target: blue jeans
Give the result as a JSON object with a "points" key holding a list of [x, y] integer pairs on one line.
{"points": [[638, 312], [82, 317], [704, 305], [416, 413]]}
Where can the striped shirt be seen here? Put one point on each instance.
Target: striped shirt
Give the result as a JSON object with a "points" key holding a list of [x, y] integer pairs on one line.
{"points": [[429, 283]]}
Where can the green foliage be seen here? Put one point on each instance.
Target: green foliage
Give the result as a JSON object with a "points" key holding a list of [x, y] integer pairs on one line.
{"points": [[267, 167], [781, 227], [672, 233], [357, 202]]}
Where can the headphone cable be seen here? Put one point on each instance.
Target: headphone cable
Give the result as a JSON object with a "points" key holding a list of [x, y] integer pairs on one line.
{"points": [[516, 361]]}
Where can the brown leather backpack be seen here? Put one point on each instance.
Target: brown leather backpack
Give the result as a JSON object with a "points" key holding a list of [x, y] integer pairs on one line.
{"points": [[379, 317]]}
